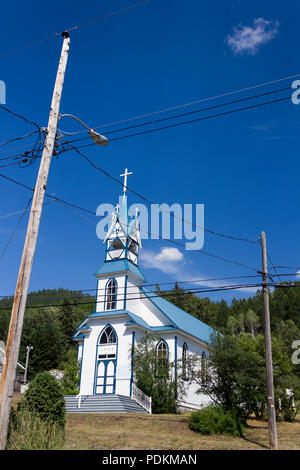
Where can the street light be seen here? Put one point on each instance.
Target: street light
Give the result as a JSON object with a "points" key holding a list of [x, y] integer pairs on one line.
{"points": [[29, 348], [97, 138]]}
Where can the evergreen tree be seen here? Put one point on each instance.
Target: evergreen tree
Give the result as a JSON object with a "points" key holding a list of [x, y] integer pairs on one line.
{"points": [[45, 397]]}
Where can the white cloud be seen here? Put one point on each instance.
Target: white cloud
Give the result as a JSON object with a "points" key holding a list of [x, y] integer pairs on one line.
{"points": [[169, 254], [248, 39], [298, 273], [171, 261], [168, 260]]}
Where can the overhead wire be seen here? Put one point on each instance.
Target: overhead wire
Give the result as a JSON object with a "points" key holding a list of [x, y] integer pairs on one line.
{"points": [[209, 108], [18, 138], [73, 28], [15, 229], [158, 284], [162, 294], [164, 239], [56, 198], [154, 204], [20, 117], [201, 100], [97, 289]]}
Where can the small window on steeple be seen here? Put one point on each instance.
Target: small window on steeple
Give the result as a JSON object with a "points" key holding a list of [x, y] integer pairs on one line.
{"points": [[117, 244], [132, 246], [111, 295]]}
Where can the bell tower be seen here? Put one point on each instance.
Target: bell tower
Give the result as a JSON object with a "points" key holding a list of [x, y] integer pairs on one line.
{"points": [[123, 238]]}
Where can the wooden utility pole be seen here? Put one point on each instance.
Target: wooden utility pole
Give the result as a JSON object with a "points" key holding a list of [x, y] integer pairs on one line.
{"points": [[20, 298], [273, 441]]}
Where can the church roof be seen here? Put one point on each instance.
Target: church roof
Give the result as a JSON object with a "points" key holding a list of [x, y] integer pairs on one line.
{"points": [[179, 318], [133, 320], [120, 265]]}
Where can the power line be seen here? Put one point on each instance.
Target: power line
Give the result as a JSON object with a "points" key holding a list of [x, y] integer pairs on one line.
{"points": [[33, 157], [74, 28], [152, 203], [109, 15], [18, 138], [14, 148], [287, 267], [151, 285], [31, 294], [55, 198], [209, 108], [25, 160], [201, 100], [169, 240], [200, 251], [10, 215], [198, 119], [166, 294], [19, 116], [148, 131], [15, 229], [276, 273]]}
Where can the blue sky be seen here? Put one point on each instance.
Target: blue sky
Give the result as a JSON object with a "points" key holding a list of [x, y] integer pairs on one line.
{"points": [[243, 167]]}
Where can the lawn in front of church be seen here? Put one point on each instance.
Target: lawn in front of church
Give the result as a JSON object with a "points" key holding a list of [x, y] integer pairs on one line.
{"points": [[135, 431]]}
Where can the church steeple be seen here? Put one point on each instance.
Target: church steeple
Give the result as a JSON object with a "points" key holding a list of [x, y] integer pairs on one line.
{"points": [[123, 238]]}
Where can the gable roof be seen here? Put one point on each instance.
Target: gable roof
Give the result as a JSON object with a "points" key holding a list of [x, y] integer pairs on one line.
{"points": [[120, 265], [133, 320], [179, 318]]}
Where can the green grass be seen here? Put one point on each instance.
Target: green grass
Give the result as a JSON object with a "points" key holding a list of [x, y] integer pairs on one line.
{"points": [[166, 432]]}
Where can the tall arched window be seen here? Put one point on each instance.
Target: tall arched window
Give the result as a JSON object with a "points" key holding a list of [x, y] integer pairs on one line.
{"points": [[106, 362], [162, 354], [111, 294], [184, 361]]}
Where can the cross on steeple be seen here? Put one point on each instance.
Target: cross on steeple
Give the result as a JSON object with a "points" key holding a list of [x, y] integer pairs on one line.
{"points": [[125, 179]]}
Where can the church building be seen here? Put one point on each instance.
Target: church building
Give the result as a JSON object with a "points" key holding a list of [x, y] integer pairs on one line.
{"points": [[125, 310]]}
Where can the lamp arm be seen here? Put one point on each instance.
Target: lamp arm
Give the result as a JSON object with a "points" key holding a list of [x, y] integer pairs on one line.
{"points": [[76, 119]]}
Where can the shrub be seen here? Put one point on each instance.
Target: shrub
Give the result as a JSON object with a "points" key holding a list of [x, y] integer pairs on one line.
{"points": [[215, 420], [70, 380], [27, 431], [153, 376], [45, 398]]}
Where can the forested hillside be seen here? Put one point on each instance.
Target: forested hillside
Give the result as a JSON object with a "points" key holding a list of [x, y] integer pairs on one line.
{"points": [[49, 329], [284, 306], [247, 315]]}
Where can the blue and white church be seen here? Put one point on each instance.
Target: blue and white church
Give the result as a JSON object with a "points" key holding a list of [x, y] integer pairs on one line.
{"points": [[125, 311]]}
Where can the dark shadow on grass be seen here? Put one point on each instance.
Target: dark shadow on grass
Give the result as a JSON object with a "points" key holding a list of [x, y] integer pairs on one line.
{"points": [[252, 426]]}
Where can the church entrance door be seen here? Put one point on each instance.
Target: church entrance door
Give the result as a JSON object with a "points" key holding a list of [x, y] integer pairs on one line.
{"points": [[106, 377]]}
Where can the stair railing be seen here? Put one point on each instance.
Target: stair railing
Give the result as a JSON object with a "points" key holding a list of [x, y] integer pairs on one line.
{"points": [[142, 399], [79, 400]]}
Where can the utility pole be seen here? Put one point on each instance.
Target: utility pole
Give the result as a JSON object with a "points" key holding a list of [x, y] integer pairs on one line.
{"points": [[18, 309], [29, 348], [273, 441]]}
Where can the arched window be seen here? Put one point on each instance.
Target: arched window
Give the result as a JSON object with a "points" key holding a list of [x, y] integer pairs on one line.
{"points": [[162, 353], [203, 368], [184, 361], [108, 336], [111, 295]]}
